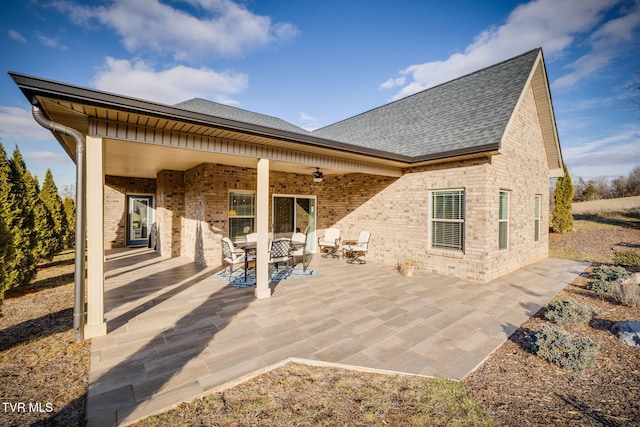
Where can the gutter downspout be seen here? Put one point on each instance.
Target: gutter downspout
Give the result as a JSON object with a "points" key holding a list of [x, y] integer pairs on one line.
{"points": [[78, 306]]}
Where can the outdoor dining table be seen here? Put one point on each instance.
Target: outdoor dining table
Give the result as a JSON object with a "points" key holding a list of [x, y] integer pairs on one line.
{"points": [[248, 247]]}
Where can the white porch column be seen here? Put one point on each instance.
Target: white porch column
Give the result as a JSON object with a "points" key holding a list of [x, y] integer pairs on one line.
{"points": [[262, 228], [95, 324]]}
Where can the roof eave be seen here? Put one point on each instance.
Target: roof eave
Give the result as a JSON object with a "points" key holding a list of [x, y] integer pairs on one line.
{"points": [[34, 87], [486, 149], [542, 93]]}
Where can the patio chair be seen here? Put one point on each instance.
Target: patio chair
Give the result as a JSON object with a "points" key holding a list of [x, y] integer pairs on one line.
{"points": [[354, 249], [280, 251], [330, 242], [251, 237], [299, 248], [233, 256]]}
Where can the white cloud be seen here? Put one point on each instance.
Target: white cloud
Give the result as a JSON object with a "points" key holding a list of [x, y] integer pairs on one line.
{"points": [[604, 42], [18, 124], [550, 24], [13, 34], [139, 79], [50, 42], [309, 122], [593, 103], [621, 141], [598, 164], [391, 83], [47, 157], [224, 28]]}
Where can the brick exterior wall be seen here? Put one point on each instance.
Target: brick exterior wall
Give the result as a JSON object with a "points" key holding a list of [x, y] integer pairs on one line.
{"points": [[522, 169], [192, 209], [170, 208], [116, 189], [398, 219], [207, 208], [398, 216]]}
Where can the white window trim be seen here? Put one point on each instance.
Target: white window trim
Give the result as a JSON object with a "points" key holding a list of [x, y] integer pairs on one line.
{"points": [[229, 217], [537, 220], [462, 221], [504, 220]]}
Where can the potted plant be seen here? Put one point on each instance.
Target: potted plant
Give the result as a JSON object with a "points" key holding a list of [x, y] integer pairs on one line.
{"points": [[407, 266]]}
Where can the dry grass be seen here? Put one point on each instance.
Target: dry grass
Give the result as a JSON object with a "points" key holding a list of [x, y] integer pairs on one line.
{"points": [[596, 236], [606, 205], [301, 395], [40, 364], [626, 294]]}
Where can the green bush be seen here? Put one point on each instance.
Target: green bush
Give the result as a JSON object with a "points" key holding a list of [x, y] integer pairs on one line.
{"points": [[568, 312], [609, 274], [565, 350], [600, 286], [629, 258]]}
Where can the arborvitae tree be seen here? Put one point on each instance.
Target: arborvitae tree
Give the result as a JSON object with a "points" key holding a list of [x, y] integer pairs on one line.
{"points": [[49, 195], [70, 212], [6, 253], [562, 216], [590, 192], [48, 241], [18, 219]]}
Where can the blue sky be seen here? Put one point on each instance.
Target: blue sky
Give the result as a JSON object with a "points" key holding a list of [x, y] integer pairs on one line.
{"points": [[313, 63]]}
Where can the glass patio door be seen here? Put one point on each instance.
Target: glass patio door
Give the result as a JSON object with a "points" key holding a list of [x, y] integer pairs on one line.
{"points": [[139, 219], [295, 214]]}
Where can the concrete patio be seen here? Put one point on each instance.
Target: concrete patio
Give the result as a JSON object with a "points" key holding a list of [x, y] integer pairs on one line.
{"points": [[176, 331]]}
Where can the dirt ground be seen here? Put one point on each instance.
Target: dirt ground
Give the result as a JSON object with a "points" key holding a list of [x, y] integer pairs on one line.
{"points": [[44, 374], [42, 368], [519, 388]]}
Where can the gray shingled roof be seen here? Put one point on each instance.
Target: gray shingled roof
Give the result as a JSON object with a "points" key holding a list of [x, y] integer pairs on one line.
{"points": [[471, 111], [203, 106]]}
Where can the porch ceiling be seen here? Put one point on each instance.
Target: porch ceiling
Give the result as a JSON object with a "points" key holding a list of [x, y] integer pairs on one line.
{"points": [[129, 153], [124, 158]]}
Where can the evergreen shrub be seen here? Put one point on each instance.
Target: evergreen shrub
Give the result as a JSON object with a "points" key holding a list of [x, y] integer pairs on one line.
{"points": [[562, 215], [568, 312], [599, 286], [564, 349], [628, 258], [609, 274]]}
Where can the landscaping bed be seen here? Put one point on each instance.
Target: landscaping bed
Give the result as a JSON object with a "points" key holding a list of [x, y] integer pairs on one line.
{"points": [[520, 388], [40, 364]]}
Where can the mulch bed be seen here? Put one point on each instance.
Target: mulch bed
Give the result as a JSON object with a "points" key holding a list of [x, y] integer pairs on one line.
{"points": [[519, 388]]}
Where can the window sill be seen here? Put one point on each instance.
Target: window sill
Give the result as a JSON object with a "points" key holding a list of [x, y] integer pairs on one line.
{"points": [[445, 253]]}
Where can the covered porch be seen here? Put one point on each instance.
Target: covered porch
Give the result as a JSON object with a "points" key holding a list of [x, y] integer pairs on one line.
{"points": [[177, 331]]}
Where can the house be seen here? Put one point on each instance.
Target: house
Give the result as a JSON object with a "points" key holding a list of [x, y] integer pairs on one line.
{"points": [[455, 177]]}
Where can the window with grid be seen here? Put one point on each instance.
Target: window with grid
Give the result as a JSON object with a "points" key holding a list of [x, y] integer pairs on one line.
{"points": [[536, 218], [503, 221], [241, 214], [447, 220]]}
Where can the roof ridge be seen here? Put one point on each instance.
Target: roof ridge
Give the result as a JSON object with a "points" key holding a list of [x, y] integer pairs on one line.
{"points": [[432, 87], [197, 98], [214, 108]]}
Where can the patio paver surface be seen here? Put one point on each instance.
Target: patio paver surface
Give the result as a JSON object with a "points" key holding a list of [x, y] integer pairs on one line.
{"points": [[176, 331]]}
